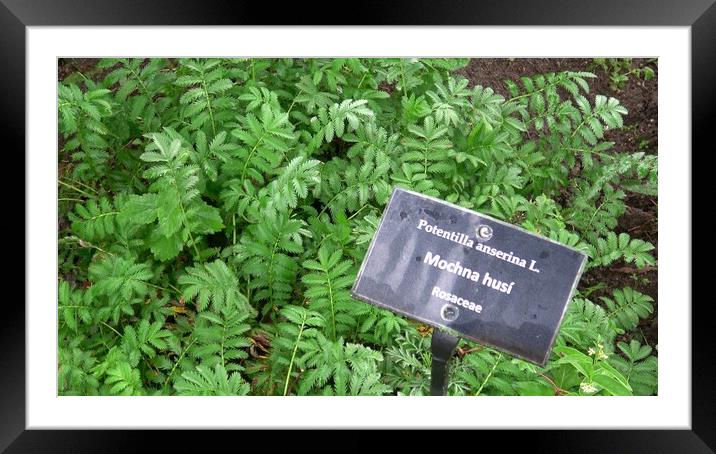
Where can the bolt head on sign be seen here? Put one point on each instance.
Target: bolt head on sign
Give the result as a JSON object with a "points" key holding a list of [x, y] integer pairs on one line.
{"points": [[493, 282]]}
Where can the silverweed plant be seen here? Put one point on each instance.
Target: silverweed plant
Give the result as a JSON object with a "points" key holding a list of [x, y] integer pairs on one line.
{"points": [[214, 212]]}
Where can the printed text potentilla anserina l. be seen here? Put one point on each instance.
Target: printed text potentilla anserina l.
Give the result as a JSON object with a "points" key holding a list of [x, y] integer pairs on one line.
{"points": [[463, 239]]}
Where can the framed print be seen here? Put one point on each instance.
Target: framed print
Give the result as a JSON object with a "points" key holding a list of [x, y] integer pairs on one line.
{"points": [[228, 195]]}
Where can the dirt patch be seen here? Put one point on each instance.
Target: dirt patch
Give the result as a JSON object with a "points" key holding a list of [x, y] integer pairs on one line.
{"points": [[638, 96], [84, 66]]}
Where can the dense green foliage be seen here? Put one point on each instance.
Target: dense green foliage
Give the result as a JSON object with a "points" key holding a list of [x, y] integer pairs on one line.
{"points": [[217, 212]]}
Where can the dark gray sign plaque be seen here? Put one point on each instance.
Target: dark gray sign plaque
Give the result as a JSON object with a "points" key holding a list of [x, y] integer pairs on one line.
{"points": [[447, 266]]}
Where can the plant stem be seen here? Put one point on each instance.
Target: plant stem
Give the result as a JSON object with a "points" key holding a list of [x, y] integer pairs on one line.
{"points": [[223, 340], [293, 355], [248, 159], [141, 82], [494, 366], [208, 104], [523, 96], [356, 213], [361, 80], [93, 190], [84, 243], [294, 101], [86, 194], [591, 219], [164, 288], [108, 326], [178, 360], [325, 207], [333, 309], [557, 389], [233, 220], [402, 76], [183, 212]]}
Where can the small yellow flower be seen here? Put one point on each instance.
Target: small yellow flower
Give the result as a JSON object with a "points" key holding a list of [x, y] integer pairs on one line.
{"points": [[591, 351], [587, 387]]}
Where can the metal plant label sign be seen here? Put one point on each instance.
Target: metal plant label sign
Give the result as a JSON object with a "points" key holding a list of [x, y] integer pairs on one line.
{"points": [[448, 266]]}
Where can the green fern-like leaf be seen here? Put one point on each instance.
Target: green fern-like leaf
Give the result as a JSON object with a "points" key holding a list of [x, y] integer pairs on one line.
{"points": [[350, 187], [614, 247], [639, 367], [449, 100], [83, 118], [214, 283], [311, 97], [121, 283], [293, 184], [487, 372], [124, 380], [143, 89], [343, 117], [409, 363], [204, 381], [206, 101], [266, 139], [381, 326], [220, 339], [75, 306], [180, 213], [145, 339], [74, 375], [265, 255], [294, 338], [429, 147], [332, 365], [327, 289], [585, 324], [94, 220], [405, 73], [139, 209], [628, 307]]}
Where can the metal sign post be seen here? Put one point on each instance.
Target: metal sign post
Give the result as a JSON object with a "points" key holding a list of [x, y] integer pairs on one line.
{"points": [[442, 346]]}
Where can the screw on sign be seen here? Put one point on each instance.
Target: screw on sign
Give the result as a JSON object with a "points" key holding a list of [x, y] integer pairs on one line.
{"points": [[483, 232], [449, 313], [468, 273]]}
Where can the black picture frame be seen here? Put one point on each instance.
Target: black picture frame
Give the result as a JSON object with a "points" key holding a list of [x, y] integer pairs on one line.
{"points": [[700, 15]]}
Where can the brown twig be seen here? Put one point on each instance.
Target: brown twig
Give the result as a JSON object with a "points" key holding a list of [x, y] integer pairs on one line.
{"points": [[557, 390], [461, 352], [631, 270]]}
